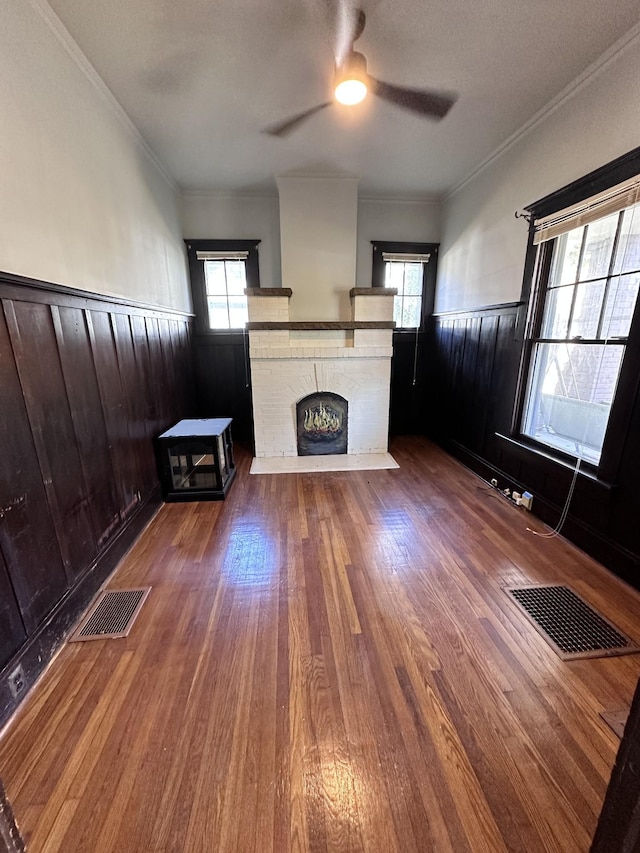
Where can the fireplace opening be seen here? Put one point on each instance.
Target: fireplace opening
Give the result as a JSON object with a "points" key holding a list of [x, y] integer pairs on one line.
{"points": [[322, 420]]}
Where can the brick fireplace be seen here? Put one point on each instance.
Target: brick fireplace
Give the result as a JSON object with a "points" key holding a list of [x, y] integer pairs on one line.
{"points": [[291, 360], [317, 334]]}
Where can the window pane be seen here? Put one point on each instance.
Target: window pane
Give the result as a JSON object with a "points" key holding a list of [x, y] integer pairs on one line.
{"points": [[413, 279], [411, 312], [628, 251], [598, 247], [566, 254], [557, 311], [571, 389], [407, 278], [236, 279], [621, 301], [394, 275], [238, 311], [218, 314], [225, 285], [586, 311], [214, 277]]}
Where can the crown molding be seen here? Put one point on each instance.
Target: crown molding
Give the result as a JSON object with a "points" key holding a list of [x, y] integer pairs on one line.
{"points": [[601, 64], [64, 37]]}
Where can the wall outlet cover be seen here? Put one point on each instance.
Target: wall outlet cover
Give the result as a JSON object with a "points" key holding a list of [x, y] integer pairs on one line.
{"points": [[17, 681]]}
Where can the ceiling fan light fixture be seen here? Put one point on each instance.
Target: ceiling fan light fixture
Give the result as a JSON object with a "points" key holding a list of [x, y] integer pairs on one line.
{"points": [[351, 92], [351, 84]]}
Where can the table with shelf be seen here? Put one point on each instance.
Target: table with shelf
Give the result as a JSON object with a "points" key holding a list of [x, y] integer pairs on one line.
{"points": [[195, 460]]}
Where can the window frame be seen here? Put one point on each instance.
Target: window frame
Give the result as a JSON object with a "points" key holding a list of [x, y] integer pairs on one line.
{"points": [[198, 282], [536, 275], [429, 271]]}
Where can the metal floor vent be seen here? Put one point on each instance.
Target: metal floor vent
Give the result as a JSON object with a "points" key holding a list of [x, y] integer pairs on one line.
{"points": [[571, 627], [112, 615]]}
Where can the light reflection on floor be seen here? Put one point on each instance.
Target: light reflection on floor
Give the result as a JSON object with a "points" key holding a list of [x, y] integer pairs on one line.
{"points": [[251, 555]]}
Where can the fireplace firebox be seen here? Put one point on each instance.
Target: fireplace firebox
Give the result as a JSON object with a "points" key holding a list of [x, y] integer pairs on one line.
{"points": [[322, 421]]}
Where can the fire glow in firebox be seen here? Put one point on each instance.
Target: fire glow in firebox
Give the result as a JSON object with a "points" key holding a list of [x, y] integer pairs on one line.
{"points": [[322, 424]]}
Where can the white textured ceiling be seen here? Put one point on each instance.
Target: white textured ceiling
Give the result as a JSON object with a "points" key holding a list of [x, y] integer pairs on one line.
{"points": [[200, 79]]}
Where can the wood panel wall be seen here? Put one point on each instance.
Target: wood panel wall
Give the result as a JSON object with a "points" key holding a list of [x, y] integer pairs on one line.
{"points": [[223, 381], [408, 411], [86, 382], [473, 361]]}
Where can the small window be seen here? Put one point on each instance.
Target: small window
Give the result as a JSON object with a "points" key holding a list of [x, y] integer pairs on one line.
{"points": [[406, 267], [225, 282], [220, 273], [406, 277], [587, 292]]}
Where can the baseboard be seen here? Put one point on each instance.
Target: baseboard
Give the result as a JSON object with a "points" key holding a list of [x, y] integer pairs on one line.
{"points": [[480, 466], [39, 649], [622, 562]]}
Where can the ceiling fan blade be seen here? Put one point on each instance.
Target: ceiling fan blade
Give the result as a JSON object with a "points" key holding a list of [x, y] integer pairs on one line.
{"points": [[350, 23], [432, 104], [359, 25], [284, 128]]}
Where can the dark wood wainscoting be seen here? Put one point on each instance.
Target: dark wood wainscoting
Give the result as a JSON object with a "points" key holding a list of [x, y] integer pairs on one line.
{"points": [[86, 382], [223, 381], [473, 361], [408, 411]]}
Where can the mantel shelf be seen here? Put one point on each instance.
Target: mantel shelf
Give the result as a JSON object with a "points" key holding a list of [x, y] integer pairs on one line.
{"points": [[373, 291], [320, 326], [268, 291]]}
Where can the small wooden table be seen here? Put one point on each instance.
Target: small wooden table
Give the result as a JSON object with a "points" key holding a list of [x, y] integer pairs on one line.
{"points": [[195, 460]]}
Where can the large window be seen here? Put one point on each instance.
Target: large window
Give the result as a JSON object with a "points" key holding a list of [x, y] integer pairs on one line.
{"points": [[589, 274], [220, 271]]}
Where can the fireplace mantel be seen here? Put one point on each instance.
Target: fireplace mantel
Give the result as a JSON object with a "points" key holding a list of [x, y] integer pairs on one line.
{"points": [[308, 325]]}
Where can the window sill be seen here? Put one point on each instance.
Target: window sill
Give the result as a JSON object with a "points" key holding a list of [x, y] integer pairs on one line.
{"points": [[527, 450], [239, 331], [219, 337]]}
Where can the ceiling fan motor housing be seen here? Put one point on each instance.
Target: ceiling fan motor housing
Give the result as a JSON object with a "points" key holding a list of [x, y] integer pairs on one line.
{"points": [[353, 68]]}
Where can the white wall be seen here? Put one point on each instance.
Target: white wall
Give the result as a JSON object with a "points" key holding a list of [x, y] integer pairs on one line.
{"points": [[318, 239], [237, 216], [483, 245], [212, 215], [393, 220], [81, 201]]}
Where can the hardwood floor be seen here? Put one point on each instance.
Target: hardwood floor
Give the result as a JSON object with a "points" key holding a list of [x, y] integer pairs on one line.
{"points": [[328, 662]]}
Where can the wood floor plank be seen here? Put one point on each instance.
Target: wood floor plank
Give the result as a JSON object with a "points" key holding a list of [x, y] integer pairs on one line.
{"points": [[328, 662]]}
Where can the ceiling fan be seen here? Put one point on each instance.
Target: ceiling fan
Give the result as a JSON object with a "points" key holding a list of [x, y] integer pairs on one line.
{"points": [[352, 83]]}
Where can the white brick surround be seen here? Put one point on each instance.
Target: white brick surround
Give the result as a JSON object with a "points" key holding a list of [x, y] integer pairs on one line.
{"points": [[289, 363]]}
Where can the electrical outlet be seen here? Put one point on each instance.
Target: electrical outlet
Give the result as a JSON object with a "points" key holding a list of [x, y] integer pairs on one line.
{"points": [[527, 500], [17, 681]]}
